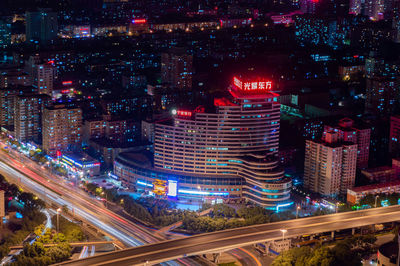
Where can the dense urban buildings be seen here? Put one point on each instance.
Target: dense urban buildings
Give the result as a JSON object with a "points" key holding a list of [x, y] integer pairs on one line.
{"points": [[283, 108]]}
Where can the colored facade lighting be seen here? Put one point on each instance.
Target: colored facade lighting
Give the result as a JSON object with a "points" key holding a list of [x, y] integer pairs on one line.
{"points": [[65, 83], [144, 184], [204, 193], [139, 21]]}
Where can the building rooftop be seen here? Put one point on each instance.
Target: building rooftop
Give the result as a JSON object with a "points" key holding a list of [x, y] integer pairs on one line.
{"points": [[378, 169], [376, 186], [80, 158]]}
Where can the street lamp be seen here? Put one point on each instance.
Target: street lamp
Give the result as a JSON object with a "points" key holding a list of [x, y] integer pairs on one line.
{"points": [[58, 219], [201, 197], [283, 234], [104, 194], [376, 198], [297, 211]]}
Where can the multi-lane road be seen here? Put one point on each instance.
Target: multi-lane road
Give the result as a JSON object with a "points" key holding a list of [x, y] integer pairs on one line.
{"points": [[234, 238], [53, 189]]}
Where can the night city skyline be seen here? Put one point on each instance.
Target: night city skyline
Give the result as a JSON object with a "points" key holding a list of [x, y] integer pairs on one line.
{"points": [[201, 132]]}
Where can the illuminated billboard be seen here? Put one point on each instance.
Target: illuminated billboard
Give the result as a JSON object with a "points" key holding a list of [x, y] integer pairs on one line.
{"points": [[160, 187], [252, 86], [172, 188]]}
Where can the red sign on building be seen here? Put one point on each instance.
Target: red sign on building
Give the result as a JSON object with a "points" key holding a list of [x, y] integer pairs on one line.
{"points": [[252, 86]]}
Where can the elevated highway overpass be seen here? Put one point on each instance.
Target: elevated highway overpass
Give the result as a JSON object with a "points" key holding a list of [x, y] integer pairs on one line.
{"points": [[239, 237]]}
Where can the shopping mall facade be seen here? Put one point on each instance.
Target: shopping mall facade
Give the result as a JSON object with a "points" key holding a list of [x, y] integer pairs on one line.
{"points": [[227, 153]]}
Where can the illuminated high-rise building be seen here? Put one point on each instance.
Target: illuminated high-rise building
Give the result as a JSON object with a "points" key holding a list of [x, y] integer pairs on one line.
{"points": [[394, 138], [348, 132], [396, 21], [382, 95], [309, 6], [28, 116], [374, 9], [5, 32], [62, 129], [45, 78], [177, 68], [355, 7], [330, 165], [228, 152]]}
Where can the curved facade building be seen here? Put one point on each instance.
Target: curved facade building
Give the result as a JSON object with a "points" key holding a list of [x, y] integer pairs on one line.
{"points": [[238, 142]]}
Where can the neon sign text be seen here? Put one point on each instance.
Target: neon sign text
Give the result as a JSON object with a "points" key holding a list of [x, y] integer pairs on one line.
{"points": [[252, 86], [184, 113]]}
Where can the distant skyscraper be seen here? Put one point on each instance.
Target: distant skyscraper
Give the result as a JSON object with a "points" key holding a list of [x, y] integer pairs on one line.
{"points": [[355, 7], [330, 165], [350, 133], [382, 95], [45, 78], [375, 9], [176, 68], [7, 96], [41, 25], [62, 129], [396, 21], [394, 137], [5, 32], [28, 116], [309, 6]]}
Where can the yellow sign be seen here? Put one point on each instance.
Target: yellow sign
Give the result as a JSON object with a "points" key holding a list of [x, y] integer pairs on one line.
{"points": [[160, 187]]}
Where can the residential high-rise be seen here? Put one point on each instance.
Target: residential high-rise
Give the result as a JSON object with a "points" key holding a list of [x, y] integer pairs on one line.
{"points": [[394, 137], [355, 7], [5, 32], [382, 95], [396, 21], [227, 152], [45, 78], [176, 68], [309, 6], [28, 116], [62, 129], [375, 9], [330, 165], [7, 96], [361, 136], [41, 25]]}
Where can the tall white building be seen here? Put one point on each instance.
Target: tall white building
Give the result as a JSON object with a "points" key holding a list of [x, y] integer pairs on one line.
{"points": [[330, 165], [226, 152]]}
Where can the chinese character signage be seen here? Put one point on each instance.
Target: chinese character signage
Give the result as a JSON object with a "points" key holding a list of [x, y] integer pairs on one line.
{"points": [[253, 86]]}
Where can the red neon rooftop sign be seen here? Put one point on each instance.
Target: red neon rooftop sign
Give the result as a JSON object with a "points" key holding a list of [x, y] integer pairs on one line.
{"points": [[183, 113], [252, 86]]}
